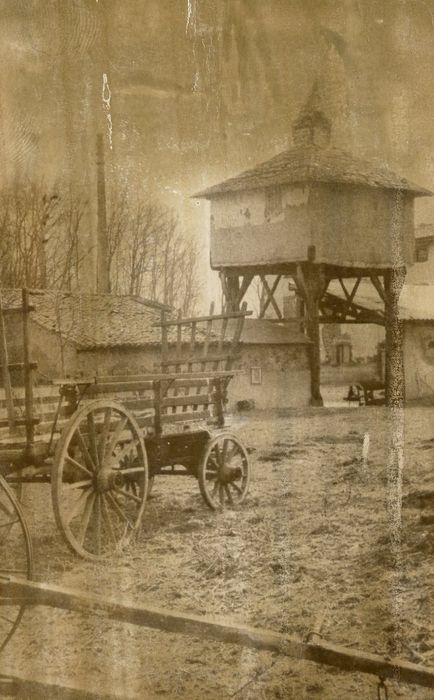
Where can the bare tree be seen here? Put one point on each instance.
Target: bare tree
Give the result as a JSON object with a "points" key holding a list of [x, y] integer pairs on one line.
{"points": [[149, 254], [39, 237]]}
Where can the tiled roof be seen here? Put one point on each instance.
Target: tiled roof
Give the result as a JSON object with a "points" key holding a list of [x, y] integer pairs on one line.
{"points": [[260, 331], [93, 320], [314, 164]]}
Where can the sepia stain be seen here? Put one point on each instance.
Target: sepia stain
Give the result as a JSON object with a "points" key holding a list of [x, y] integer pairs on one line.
{"points": [[106, 101]]}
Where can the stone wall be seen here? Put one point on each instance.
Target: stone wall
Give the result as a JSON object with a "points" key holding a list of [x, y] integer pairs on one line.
{"points": [[419, 360], [283, 372]]}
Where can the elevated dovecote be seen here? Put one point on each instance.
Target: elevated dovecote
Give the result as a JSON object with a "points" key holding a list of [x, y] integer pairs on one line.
{"points": [[313, 202], [315, 213]]}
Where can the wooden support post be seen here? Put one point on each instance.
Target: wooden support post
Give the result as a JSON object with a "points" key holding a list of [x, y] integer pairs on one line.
{"points": [[219, 401], [311, 284], [157, 407], [394, 379], [5, 367], [28, 378], [232, 292]]}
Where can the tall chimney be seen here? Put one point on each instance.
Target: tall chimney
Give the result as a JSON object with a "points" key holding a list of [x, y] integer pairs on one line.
{"points": [[102, 253]]}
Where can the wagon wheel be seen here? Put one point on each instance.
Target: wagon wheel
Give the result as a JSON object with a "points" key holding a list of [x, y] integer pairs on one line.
{"points": [[16, 486], [224, 471], [15, 558], [99, 479]]}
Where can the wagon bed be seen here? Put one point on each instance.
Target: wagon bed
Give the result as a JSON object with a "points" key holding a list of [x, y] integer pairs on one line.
{"points": [[103, 439]]}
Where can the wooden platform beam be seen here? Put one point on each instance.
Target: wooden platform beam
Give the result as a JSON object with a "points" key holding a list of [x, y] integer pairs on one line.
{"points": [[314, 648]]}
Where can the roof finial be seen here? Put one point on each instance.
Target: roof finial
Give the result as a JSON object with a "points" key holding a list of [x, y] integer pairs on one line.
{"points": [[312, 127]]}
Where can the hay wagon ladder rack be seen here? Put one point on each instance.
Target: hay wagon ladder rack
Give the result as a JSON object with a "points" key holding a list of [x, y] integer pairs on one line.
{"points": [[26, 366]]}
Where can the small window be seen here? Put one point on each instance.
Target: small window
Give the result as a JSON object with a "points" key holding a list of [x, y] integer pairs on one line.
{"points": [[256, 375], [273, 202], [422, 253]]}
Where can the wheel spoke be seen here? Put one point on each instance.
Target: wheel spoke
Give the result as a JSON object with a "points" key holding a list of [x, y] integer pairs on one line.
{"points": [[221, 494], [107, 517], [104, 435], [228, 494], [218, 455], [132, 470], [92, 438], [86, 518], [116, 435], [234, 451], [224, 451], [213, 463], [85, 452], [77, 485], [76, 464], [236, 487], [127, 494], [98, 523], [118, 509], [76, 507]]}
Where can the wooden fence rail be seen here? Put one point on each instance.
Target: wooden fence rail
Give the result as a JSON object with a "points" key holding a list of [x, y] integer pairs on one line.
{"points": [[313, 649]]}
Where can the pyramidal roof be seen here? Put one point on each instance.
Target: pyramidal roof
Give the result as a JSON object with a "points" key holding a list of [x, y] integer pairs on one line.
{"points": [[314, 159]]}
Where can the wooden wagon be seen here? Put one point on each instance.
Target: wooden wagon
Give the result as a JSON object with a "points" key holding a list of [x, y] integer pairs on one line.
{"points": [[109, 436]]}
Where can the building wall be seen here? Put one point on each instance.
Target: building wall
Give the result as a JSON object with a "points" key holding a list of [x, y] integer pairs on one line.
{"points": [[361, 226], [348, 225], [54, 358], [422, 272], [252, 227], [118, 360], [285, 380], [419, 360]]}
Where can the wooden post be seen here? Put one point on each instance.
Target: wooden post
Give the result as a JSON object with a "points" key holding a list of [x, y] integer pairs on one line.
{"points": [[219, 401], [231, 291], [157, 407], [310, 281], [6, 376], [394, 379], [28, 377]]}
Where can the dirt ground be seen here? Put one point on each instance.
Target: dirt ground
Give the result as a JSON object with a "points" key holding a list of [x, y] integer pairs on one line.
{"points": [[312, 540]]}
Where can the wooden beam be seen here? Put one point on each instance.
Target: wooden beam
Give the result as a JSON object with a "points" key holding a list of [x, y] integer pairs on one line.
{"points": [[202, 319], [311, 283], [312, 649], [270, 296], [14, 686], [378, 286]]}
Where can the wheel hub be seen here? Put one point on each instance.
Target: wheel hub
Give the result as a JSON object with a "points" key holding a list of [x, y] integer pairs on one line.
{"points": [[109, 478], [227, 474]]}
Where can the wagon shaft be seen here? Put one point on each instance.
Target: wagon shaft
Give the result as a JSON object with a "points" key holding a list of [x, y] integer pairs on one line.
{"points": [[316, 650]]}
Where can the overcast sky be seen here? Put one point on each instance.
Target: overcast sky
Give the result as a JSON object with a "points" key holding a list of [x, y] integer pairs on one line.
{"points": [[197, 90]]}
